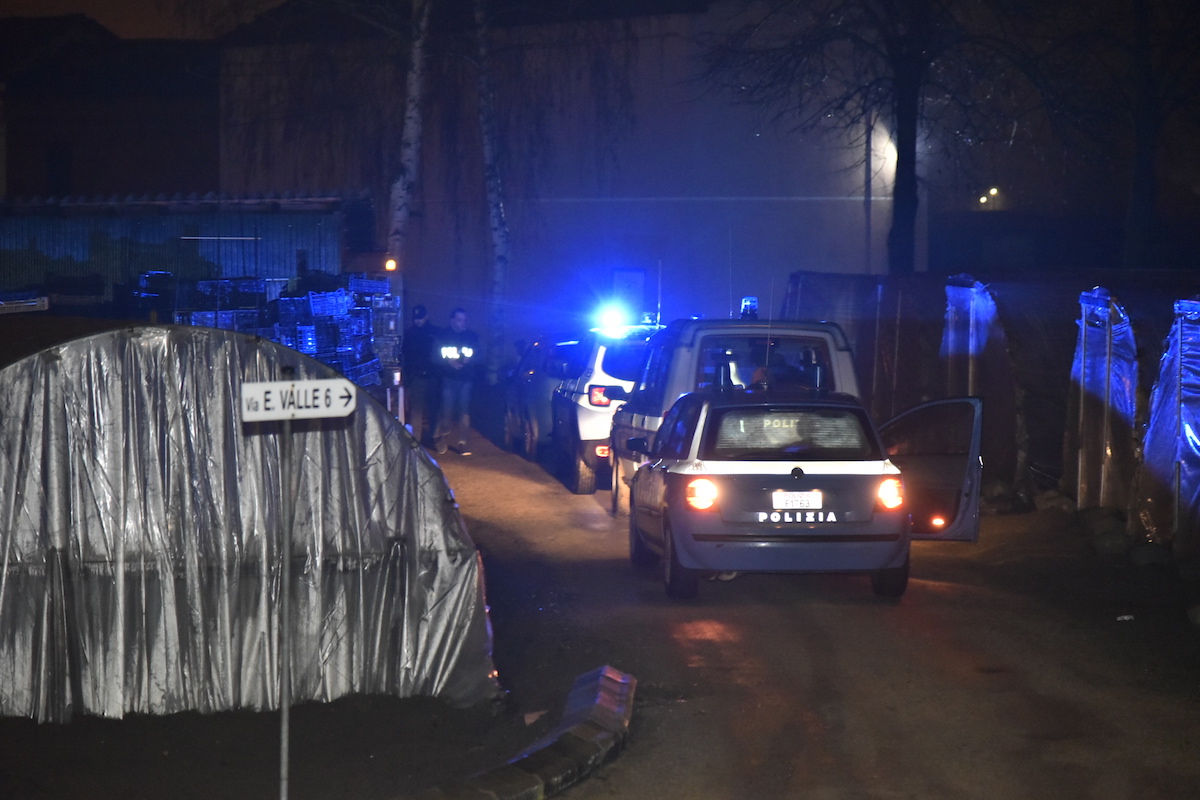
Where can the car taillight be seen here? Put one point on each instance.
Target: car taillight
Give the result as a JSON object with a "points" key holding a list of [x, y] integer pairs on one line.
{"points": [[596, 396], [701, 494], [890, 494]]}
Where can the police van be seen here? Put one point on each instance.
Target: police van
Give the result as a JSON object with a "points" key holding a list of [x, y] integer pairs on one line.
{"points": [[937, 444], [691, 354]]}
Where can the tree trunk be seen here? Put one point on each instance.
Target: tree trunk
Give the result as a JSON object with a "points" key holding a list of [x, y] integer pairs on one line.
{"points": [[902, 238], [1141, 213], [495, 196], [405, 184]]}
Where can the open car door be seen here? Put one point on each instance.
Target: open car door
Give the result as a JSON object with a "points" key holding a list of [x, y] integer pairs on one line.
{"points": [[937, 445]]}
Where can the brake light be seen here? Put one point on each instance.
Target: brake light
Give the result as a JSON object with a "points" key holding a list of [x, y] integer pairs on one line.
{"points": [[596, 396], [701, 494], [890, 494]]}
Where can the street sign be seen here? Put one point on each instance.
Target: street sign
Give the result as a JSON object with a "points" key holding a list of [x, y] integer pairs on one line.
{"points": [[309, 399]]}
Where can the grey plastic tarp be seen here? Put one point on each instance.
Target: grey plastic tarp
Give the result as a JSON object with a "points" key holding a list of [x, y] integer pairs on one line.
{"points": [[140, 528]]}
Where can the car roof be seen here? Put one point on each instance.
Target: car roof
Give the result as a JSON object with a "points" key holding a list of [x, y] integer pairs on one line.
{"points": [[723, 398], [626, 331], [687, 329]]}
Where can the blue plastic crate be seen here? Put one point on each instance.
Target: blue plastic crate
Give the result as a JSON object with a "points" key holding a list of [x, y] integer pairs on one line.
{"points": [[365, 372], [294, 310], [370, 285], [329, 304], [204, 319], [362, 320], [286, 336], [306, 339]]}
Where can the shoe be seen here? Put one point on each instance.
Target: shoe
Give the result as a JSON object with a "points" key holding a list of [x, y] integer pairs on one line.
{"points": [[462, 449], [441, 448]]}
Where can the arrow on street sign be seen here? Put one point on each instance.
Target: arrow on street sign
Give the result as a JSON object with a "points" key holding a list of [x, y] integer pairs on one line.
{"points": [[310, 399]]}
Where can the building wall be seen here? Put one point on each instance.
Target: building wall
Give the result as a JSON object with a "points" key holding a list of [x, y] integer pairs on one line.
{"points": [[704, 197]]}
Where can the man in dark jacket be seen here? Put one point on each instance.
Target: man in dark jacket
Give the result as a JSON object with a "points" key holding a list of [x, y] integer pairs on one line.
{"points": [[457, 351], [422, 384]]}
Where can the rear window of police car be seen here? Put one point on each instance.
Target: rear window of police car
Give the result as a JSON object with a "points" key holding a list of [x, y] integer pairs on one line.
{"points": [[624, 359], [789, 433]]}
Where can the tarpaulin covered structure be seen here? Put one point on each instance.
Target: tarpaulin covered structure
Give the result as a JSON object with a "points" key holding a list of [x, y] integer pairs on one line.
{"points": [[1100, 458], [142, 539], [1166, 506]]}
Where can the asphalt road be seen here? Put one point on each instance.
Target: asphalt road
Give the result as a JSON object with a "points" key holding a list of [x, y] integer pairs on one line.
{"points": [[1023, 666]]}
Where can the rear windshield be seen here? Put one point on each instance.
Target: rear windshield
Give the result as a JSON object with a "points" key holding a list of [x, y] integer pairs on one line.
{"points": [[789, 433], [624, 359], [778, 360]]}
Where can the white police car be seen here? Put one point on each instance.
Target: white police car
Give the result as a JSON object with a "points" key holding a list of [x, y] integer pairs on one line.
{"points": [[604, 358], [763, 481]]}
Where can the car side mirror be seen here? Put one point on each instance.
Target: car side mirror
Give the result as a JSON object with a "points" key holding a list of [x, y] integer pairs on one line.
{"points": [[639, 444], [616, 393]]}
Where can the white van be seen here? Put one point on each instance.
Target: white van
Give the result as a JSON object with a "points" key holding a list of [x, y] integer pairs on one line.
{"points": [[690, 354]]}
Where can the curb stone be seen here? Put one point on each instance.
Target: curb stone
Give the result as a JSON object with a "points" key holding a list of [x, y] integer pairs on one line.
{"points": [[592, 732]]}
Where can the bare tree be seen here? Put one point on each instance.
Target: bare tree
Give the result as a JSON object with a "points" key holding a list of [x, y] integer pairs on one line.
{"points": [[498, 222], [853, 64], [1121, 73]]}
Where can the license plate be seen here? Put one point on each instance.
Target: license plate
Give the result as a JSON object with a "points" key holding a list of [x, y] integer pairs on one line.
{"points": [[782, 501]]}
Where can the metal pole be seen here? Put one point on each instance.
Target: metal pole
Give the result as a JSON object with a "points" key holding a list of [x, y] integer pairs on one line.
{"points": [[1176, 513], [1106, 460], [972, 358], [896, 352], [285, 595], [875, 350], [1079, 454]]}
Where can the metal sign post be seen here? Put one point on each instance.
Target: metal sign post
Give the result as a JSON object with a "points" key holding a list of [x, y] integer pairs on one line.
{"points": [[283, 401]]}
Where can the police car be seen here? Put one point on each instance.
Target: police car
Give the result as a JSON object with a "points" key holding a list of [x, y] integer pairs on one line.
{"points": [[605, 359], [741, 480]]}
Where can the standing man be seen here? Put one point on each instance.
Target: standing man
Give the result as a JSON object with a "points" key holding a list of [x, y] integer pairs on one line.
{"points": [[420, 373], [457, 350]]}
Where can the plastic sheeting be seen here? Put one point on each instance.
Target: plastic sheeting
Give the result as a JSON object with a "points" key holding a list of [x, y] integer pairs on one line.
{"points": [[970, 317], [140, 540], [1100, 437], [1167, 506]]}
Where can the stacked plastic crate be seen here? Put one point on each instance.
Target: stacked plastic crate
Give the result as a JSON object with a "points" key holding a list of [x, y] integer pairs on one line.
{"points": [[341, 327]]}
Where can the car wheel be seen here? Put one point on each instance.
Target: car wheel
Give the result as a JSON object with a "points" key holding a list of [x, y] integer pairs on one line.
{"points": [[617, 504], [512, 432], [681, 583], [890, 582], [582, 477], [529, 439], [641, 556]]}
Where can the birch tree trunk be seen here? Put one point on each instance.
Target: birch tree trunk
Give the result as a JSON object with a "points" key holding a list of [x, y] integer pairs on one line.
{"points": [[495, 197], [405, 184]]}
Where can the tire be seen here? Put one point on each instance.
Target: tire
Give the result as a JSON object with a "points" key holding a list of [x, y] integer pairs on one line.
{"points": [[890, 582], [640, 556], [529, 439], [617, 503], [512, 432], [581, 479], [680, 583]]}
